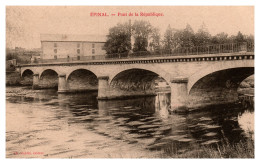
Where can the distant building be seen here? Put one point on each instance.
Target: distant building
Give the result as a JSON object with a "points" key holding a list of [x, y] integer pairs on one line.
{"points": [[56, 46], [35, 58]]}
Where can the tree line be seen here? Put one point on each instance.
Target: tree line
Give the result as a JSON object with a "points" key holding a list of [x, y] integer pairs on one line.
{"points": [[148, 38]]}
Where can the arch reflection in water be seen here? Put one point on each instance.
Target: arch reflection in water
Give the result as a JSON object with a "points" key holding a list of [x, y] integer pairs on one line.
{"points": [[143, 104], [162, 103], [246, 121], [147, 104], [79, 99]]}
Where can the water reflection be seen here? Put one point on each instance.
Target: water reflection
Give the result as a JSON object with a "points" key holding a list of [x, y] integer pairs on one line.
{"points": [[144, 121], [162, 103], [246, 122]]}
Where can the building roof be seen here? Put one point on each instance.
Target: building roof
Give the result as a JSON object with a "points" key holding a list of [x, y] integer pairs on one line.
{"points": [[73, 38]]}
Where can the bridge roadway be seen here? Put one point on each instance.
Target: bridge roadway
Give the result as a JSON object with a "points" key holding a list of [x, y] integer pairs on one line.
{"points": [[194, 80]]}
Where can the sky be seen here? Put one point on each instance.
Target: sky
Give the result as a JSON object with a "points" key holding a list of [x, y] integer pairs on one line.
{"points": [[24, 24]]}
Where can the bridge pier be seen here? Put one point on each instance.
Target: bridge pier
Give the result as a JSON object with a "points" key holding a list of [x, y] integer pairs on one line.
{"points": [[179, 94], [36, 81], [103, 87], [62, 85]]}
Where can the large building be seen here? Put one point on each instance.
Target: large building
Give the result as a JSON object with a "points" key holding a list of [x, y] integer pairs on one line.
{"points": [[55, 46]]}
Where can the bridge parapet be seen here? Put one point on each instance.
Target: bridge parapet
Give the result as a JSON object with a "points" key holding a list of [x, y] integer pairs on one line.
{"points": [[229, 48], [163, 59]]}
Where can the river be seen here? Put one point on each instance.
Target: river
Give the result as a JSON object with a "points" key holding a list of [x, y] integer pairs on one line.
{"points": [[44, 124]]}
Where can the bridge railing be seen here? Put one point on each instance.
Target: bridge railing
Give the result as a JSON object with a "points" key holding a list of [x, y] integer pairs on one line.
{"points": [[199, 50]]}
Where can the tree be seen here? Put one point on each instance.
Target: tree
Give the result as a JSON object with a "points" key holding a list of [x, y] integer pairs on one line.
{"points": [[239, 37], [154, 40], [220, 38], [141, 31], [202, 37], [249, 38], [169, 41], [186, 37], [118, 39]]}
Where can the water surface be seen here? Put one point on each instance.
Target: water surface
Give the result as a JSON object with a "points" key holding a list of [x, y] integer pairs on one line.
{"points": [[79, 126]]}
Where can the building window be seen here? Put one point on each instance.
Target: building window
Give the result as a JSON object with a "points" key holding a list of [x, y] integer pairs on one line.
{"points": [[78, 45], [78, 57], [93, 45], [55, 44], [55, 56], [78, 51], [93, 51], [55, 51]]}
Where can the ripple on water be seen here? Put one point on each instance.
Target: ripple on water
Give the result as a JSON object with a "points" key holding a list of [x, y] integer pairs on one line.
{"points": [[121, 120], [135, 123], [147, 119], [150, 130], [128, 107], [84, 119], [205, 119], [148, 126], [101, 119], [165, 129], [210, 134]]}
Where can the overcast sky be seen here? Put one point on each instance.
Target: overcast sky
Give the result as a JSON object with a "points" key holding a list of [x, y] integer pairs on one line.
{"points": [[25, 24]]}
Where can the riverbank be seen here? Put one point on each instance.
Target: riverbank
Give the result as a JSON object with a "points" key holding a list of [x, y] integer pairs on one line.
{"points": [[13, 78], [243, 149]]}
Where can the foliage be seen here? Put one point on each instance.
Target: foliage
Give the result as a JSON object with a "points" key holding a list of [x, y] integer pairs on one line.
{"points": [[20, 58], [146, 37], [141, 31], [220, 38], [118, 39], [178, 38], [239, 37], [155, 44], [202, 37], [170, 38], [187, 37]]}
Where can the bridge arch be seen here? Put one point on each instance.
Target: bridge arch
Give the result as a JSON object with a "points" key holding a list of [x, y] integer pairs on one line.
{"points": [[219, 67], [26, 70], [27, 77], [48, 79], [48, 70], [218, 83], [136, 79], [71, 70], [157, 70], [82, 79]]}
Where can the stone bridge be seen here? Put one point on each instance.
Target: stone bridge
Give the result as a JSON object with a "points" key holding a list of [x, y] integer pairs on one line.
{"points": [[194, 79]]}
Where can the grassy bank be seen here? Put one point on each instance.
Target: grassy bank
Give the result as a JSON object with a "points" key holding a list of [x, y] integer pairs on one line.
{"points": [[243, 149]]}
